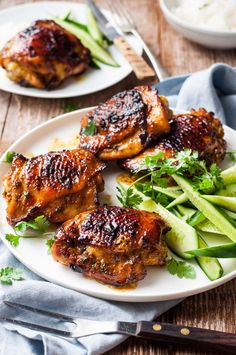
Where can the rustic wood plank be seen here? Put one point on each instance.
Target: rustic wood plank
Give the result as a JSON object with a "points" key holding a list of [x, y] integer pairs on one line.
{"points": [[214, 309]]}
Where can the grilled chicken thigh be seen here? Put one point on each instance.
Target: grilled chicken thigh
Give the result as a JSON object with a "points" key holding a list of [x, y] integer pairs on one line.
{"points": [[43, 55], [58, 185], [125, 124], [198, 130], [111, 244]]}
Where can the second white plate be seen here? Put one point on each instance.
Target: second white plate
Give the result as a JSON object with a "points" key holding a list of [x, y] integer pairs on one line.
{"points": [[15, 19]]}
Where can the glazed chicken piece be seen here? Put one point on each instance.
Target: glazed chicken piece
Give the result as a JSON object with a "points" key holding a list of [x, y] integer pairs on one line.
{"points": [[43, 55], [125, 124], [111, 244], [57, 184], [198, 130]]}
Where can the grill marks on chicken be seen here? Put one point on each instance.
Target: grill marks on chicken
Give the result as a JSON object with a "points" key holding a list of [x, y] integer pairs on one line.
{"points": [[57, 184], [43, 55], [125, 124], [198, 130], [111, 244]]}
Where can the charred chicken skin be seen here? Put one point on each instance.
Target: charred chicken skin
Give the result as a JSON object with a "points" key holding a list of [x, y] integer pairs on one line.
{"points": [[111, 244], [57, 184], [43, 55], [125, 124], [198, 130]]}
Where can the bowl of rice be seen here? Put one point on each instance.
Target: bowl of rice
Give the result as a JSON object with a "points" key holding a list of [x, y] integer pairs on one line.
{"points": [[211, 23]]}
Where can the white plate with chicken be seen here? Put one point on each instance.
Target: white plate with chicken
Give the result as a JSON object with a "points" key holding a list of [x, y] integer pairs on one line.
{"points": [[66, 172], [40, 58]]}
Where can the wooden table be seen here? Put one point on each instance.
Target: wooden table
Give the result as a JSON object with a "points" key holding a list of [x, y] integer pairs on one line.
{"points": [[215, 309]]}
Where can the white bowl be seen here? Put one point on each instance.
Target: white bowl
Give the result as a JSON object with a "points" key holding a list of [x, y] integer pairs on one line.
{"points": [[205, 37]]}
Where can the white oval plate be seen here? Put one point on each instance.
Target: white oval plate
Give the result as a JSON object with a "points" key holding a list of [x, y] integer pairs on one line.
{"points": [[158, 285], [15, 19]]}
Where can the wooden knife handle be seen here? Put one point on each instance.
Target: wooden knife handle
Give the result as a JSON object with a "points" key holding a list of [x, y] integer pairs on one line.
{"points": [[206, 339], [141, 69]]}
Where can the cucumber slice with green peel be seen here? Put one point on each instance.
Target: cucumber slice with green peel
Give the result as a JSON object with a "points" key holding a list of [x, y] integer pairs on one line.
{"points": [[94, 64], [210, 266], [229, 190], [229, 175], [178, 201], [186, 212], [228, 203], [209, 227], [218, 251], [209, 211], [93, 28], [197, 218], [78, 24], [229, 213], [96, 50], [176, 213], [181, 235], [168, 191]]}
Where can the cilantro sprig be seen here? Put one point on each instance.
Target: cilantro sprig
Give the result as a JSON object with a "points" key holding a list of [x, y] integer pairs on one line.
{"points": [[90, 129], [9, 274], [181, 269], [9, 156], [127, 197], [49, 243], [31, 229], [187, 162], [40, 224]]}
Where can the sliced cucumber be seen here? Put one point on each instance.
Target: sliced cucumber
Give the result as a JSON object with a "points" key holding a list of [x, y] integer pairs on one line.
{"points": [[176, 213], [227, 202], [178, 201], [197, 218], [229, 175], [229, 213], [97, 51], [94, 64], [210, 266], [181, 235], [169, 191], [209, 227], [229, 190], [93, 28], [186, 212], [209, 211], [218, 251]]}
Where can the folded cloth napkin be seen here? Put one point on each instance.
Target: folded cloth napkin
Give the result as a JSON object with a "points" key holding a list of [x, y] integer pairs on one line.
{"points": [[214, 89]]}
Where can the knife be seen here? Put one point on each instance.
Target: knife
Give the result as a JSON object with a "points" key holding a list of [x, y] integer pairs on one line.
{"points": [[141, 69]]}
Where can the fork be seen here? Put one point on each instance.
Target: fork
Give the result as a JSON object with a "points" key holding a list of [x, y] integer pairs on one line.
{"points": [[208, 339], [124, 21]]}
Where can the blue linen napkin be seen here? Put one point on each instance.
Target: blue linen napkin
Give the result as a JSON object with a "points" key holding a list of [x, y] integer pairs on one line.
{"points": [[214, 89]]}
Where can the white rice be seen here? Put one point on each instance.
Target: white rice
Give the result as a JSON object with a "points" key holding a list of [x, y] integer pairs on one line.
{"points": [[218, 15]]}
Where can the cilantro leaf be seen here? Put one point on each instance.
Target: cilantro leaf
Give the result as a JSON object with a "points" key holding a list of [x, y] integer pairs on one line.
{"points": [[181, 269], [128, 198], [38, 228], [90, 129], [70, 106], [9, 156], [8, 274], [187, 162], [13, 239], [49, 243], [40, 224]]}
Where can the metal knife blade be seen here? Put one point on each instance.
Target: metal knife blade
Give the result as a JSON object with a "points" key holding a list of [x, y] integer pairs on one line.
{"points": [[107, 28]]}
